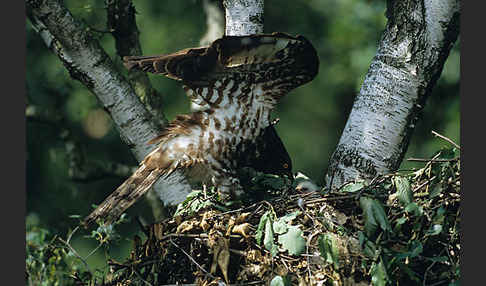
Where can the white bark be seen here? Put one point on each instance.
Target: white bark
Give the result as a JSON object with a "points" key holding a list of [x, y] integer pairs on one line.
{"points": [[243, 17], [87, 62], [214, 22], [409, 60]]}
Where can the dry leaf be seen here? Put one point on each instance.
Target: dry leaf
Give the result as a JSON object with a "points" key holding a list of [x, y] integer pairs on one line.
{"points": [[206, 220], [231, 223], [220, 248], [242, 218], [185, 226], [178, 219], [158, 230], [224, 258], [242, 229], [254, 255]]}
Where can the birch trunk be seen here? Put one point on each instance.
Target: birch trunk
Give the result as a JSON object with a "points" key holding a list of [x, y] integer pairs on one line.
{"points": [[243, 17], [410, 57], [87, 62]]}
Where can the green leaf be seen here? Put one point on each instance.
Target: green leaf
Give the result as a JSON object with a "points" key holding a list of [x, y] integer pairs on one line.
{"points": [[192, 195], [362, 238], [289, 217], [404, 192], [293, 241], [378, 274], [414, 209], [280, 227], [439, 217], [261, 227], [280, 281], [436, 190], [415, 248], [441, 211], [434, 229], [353, 187], [374, 216], [369, 248], [447, 153], [329, 250], [269, 238], [401, 220]]}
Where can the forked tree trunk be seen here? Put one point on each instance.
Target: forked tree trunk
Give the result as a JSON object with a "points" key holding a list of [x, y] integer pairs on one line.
{"points": [[411, 54]]}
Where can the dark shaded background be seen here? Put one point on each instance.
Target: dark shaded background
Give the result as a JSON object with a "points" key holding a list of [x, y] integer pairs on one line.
{"points": [[345, 33]]}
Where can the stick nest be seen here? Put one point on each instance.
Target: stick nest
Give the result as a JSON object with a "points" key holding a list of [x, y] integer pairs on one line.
{"points": [[402, 228]]}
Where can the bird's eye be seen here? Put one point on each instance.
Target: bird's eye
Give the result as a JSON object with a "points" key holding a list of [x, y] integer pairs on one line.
{"points": [[286, 166]]}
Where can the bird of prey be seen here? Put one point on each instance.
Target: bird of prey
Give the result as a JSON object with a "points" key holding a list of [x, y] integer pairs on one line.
{"points": [[234, 84]]}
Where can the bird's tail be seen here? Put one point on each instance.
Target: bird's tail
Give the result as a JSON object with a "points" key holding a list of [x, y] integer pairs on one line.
{"points": [[188, 64], [153, 64], [124, 196]]}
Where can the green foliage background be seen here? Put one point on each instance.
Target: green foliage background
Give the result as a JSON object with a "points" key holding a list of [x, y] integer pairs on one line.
{"points": [[345, 33]]}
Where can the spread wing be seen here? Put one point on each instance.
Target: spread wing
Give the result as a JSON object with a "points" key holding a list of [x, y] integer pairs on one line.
{"points": [[276, 62], [279, 62]]}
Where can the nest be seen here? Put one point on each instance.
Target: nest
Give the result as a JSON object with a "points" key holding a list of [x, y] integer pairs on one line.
{"points": [[402, 228]]}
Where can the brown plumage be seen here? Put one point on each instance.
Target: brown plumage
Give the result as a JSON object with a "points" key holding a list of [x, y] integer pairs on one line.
{"points": [[233, 84]]}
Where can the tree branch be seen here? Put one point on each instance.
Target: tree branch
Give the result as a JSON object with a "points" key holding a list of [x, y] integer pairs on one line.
{"points": [[121, 21], [87, 62], [410, 57]]}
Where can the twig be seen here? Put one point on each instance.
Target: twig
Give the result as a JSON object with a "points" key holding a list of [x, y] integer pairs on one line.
{"points": [[240, 284], [94, 250], [76, 254], [307, 252], [423, 184], [446, 139], [140, 276], [285, 264], [239, 252], [200, 235], [192, 260], [71, 234], [438, 283], [240, 209], [428, 268], [301, 206], [179, 284], [330, 199], [142, 226], [433, 160]]}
